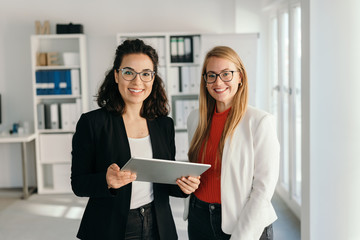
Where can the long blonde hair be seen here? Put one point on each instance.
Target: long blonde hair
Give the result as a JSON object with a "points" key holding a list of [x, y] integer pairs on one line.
{"points": [[207, 105]]}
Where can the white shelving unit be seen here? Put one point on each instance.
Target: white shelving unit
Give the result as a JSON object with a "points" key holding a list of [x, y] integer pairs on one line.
{"points": [[180, 61], [56, 112]]}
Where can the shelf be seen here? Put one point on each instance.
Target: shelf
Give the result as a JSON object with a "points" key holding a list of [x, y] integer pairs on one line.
{"points": [[184, 96], [60, 67], [47, 131], [43, 97], [184, 64], [57, 36], [180, 130], [56, 115]]}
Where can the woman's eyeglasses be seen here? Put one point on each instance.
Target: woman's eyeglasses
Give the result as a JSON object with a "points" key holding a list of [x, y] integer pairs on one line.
{"points": [[129, 74], [225, 76]]}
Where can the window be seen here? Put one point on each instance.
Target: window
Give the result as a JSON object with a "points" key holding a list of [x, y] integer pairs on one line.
{"points": [[296, 93], [285, 61]]}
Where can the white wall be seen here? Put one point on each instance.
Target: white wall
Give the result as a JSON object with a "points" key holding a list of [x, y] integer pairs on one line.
{"points": [[250, 17], [332, 77], [101, 20]]}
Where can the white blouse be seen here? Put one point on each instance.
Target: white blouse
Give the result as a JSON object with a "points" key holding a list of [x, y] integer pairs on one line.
{"points": [[141, 192]]}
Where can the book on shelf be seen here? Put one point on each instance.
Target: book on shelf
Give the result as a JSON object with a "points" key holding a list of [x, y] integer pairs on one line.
{"points": [[181, 141], [173, 87], [55, 82], [179, 114], [182, 49], [173, 49], [52, 116], [185, 79], [41, 115], [62, 116]]}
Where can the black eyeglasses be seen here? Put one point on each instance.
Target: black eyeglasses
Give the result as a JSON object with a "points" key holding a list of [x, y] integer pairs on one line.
{"points": [[225, 76], [129, 74]]}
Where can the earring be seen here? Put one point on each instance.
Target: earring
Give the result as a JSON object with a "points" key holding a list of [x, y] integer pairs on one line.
{"points": [[240, 84]]}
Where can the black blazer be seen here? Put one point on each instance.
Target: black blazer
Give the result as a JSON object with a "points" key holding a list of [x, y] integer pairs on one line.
{"points": [[100, 140]]}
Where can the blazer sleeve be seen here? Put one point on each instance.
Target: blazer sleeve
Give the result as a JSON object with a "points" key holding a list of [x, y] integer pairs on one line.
{"points": [[258, 211], [86, 180]]}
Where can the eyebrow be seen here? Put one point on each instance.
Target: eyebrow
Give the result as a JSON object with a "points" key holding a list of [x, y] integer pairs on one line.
{"points": [[225, 69], [135, 71]]}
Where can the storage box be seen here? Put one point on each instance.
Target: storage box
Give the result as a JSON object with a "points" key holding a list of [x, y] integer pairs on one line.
{"points": [[71, 58], [55, 148], [62, 182], [69, 28]]}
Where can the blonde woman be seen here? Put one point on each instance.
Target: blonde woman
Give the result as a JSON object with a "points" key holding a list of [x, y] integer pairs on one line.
{"points": [[233, 200]]}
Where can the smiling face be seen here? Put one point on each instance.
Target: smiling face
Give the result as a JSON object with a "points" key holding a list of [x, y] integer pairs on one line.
{"points": [[136, 91], [222, 92]]}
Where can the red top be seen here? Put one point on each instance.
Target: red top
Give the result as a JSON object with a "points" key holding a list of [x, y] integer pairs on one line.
{"points": [[209, 188]]}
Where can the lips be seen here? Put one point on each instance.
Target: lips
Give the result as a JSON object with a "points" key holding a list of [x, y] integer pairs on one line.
{"points": [[220, 90], [135, 90]]}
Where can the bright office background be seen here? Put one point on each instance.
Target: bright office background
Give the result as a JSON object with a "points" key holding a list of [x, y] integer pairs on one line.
{"points": [[307, 76]]}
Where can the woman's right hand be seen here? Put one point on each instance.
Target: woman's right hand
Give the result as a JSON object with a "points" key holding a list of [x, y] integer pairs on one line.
{"points": [[116, 178]]}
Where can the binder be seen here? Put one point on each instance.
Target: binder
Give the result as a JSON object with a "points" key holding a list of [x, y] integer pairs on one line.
{"points": [[55, 80], [181, 49], [196, 49], [54, 116], [68, 82], [75, 82], [161, 51], [187, 49], [194, 73], [63, 85], [174, 50], [198, 78], [185, 79], [65, 116], [41, 115], [173, 80], [186, 111], [181, 142], [47, 116], [75, 112], [179, 114], [39, 83], [50, 82]]}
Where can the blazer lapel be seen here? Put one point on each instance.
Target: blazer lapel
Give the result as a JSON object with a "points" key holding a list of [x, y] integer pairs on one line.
{"points": [[157, 140], [123, 141]]}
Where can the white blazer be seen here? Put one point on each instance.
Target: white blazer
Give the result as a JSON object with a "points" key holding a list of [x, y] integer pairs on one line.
{"points": [[249, 173]]}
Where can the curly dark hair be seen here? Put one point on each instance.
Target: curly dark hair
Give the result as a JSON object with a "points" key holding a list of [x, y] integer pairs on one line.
{"points": [[109, 97]]}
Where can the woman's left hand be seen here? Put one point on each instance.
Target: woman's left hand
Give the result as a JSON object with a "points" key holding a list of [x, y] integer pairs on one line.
{"points": [[188, 184]]}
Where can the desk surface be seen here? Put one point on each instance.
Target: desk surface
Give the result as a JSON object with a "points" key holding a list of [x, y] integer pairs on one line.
{"points": [[17, 138]]}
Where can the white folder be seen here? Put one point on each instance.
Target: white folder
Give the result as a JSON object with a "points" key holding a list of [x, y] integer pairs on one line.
{"points": [[54, 116], [75, 81]]}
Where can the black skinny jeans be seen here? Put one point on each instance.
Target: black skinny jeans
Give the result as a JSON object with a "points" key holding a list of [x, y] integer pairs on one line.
{"points": [[204, 222], [141, 224]]}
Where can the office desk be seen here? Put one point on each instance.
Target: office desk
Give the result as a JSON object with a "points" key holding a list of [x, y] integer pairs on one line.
{"points": [[24, 139]]}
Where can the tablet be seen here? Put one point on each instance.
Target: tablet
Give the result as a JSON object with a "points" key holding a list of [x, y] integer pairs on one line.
{"points": [[163, 171]]}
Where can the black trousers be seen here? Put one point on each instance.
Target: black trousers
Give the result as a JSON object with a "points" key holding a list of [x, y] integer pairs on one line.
{"points": [[204, 222], [141, 224]]}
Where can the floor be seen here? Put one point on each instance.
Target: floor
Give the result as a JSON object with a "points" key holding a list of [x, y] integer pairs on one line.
{"points": [[57, 217]]}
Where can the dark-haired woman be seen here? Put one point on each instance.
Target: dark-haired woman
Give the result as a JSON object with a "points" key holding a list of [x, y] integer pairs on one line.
{"points": [[131, 121]]}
